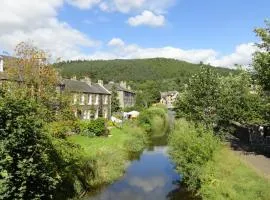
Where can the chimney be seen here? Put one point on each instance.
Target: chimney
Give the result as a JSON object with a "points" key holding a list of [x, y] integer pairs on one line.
{"points": [[74, 78], [100, 82], [87, 80], [1, 64], [123, 84], [128, 87]]}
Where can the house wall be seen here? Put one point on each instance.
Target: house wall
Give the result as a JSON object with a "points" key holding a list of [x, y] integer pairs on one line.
{"points": [[91, 106], [126, 99]]}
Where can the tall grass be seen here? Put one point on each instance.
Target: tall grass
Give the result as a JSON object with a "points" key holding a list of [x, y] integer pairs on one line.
{"points": [[154, 120], [210, 168]]}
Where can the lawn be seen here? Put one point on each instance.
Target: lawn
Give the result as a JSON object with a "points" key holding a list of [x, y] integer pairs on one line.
{"points": [[108, 155], [93, 146]]}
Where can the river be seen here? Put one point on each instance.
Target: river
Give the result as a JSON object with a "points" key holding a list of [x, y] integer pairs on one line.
{"points": [[151, 177]]}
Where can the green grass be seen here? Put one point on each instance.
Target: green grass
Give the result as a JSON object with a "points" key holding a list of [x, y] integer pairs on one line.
{"points": [[110, 155], [92, 146], [211, 169], [227, 177]]}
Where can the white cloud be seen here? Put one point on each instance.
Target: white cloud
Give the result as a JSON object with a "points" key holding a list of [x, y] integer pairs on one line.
{"points": [[84, 4], [116, 42], [148, 184], [242, 55], [120, 50], [37, 21], [147, 18]]}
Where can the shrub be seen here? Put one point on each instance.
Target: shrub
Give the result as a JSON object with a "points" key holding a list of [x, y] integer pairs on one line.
{"points": [[61, 129], [93, 128], [26, 165], [149, 119], [137, 139], [191, 148]]}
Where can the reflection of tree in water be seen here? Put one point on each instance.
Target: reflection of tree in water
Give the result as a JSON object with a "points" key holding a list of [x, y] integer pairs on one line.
{"points": [[181, 192]]}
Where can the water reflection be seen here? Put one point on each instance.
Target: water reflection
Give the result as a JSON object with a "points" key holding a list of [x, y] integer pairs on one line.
{"points": [[150, 178]]}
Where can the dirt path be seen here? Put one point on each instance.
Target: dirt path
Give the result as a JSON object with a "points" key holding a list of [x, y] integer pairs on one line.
{"points": [[260, 163], [256, 160]]}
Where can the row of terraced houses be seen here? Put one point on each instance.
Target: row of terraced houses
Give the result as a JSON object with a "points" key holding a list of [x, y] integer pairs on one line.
{"points": [[90, 100]]}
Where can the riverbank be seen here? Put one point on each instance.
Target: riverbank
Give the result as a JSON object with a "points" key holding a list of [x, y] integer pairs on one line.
{"points": [[211, 169], [110, 155]]}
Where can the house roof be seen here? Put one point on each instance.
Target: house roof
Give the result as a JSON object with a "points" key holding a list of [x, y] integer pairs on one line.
{"points": [[164, 94], [118, 87], [82, 87]]}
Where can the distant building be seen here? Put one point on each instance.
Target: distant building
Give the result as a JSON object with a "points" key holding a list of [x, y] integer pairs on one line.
{"points": [[169, 98], [125, 95], [90, 100]]}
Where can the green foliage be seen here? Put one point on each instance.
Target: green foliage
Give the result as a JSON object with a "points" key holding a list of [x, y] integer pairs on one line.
{"points": [[115, 104], [26, 169], [191, 148], [237, 102], [227, 177], [154, 119], [137, 139], [60, 129], [212, 99], [261, 59], [132, 70], [200, 99], [93, 128]]}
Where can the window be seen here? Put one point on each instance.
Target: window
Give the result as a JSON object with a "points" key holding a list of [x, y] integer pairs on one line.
{"points": [[89, 99], [105, 99], [82, 99], [97, 99], [74, 98]]}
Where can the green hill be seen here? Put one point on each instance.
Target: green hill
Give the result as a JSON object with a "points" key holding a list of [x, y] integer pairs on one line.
{"points": [[132, 70]]}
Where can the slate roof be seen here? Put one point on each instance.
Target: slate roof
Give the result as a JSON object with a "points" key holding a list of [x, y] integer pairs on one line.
{"points": [[118, 87], [82, 87]]}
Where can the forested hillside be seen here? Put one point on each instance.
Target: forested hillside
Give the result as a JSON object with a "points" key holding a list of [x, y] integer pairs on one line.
{"points": [[132, 70]]}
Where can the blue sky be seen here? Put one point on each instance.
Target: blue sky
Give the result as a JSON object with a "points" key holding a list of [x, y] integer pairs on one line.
{"points": [[189, 24], [213, 31]]}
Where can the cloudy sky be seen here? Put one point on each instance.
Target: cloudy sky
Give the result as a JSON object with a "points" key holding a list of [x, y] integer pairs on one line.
{"points": [[219, 32]]}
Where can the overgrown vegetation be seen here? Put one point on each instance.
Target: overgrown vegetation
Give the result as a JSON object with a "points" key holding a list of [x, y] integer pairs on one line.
{"points": [[154, 120], [210, 169]]}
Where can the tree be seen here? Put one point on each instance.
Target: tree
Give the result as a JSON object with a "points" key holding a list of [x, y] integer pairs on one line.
{"points": [[115, 105], [261, 59], [32, 72], [199, 101], [26, 171]]}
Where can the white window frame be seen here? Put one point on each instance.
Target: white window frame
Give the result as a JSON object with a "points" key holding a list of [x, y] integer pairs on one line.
{"points": [[97, 99], [75, 98], [82, 99], [90, 99]]}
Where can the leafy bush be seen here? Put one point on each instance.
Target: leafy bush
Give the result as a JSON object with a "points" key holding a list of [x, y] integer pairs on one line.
{"points": [[191, 148], [61, 129], [93, 128], [149, 119], [26, 165], [137, 139]]}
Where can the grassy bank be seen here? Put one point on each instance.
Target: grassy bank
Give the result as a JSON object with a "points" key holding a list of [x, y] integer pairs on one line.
{"points": [[210, 168], [109, 155]]}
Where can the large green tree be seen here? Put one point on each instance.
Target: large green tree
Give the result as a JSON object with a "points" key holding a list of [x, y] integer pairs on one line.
{"points": [[261, 59], [26, 170]]}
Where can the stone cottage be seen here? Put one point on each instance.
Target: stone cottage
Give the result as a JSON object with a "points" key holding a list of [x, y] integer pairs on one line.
{"points": [[90, 100], [126, 96], [169, 98]]}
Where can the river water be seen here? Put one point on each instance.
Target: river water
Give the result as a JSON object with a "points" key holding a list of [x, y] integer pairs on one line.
{"points": [[151, 177]]}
